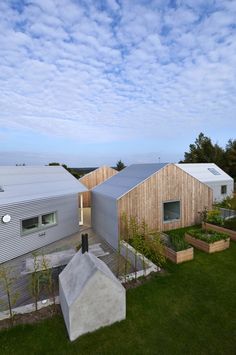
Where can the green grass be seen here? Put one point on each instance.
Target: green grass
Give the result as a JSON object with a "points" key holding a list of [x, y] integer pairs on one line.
{"points": [[190, 310]]}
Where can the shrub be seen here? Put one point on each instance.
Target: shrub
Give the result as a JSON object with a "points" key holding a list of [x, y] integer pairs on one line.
{"points": [[228, 202], [214, 217], [144, 240]]}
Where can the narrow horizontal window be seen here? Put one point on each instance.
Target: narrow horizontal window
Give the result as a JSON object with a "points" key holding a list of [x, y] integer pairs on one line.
{"points": [[38, 223], [171, 211]]}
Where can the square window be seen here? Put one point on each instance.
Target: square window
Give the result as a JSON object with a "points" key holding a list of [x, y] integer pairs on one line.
{"points": [[48, 219], [223, 189], [171, 211], [30, 224]]}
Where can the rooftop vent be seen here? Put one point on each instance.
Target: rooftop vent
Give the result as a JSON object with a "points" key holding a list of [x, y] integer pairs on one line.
{"points": [[1, 189], [214, 171]]}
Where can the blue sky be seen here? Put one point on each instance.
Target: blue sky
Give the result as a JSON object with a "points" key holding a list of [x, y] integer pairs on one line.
{"points": [[91, 82]]}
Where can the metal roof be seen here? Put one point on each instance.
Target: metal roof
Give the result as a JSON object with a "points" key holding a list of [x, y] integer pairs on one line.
{"points": [[25, 183], [128, 178], [205, 172]]}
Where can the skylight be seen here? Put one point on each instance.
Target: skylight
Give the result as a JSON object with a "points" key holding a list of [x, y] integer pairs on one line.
{"points": [[214, 171]]}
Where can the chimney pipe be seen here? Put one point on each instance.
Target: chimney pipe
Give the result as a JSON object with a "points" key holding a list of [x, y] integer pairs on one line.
{"points": [[84, 243]]}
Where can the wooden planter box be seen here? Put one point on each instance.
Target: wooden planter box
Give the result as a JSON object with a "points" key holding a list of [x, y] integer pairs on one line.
{"points": [[207, 247], [178, 257], [230, 232]]}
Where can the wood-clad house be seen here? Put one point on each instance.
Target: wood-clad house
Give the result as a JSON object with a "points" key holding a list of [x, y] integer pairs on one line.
{"points": [[93, 179], [164, 195]]}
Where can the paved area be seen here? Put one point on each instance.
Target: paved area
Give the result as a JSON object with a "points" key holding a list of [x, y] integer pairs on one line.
{"points": [[22, 282]]}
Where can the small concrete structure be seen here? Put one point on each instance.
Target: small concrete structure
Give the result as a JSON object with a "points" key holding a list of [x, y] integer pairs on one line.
{"points": [[90, 295]]}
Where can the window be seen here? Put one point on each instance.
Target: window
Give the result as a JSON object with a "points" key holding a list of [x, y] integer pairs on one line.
{"points": [[214, 171], [29, 225], [171, 211], [48, 219], [34, 224], [223, 189]]}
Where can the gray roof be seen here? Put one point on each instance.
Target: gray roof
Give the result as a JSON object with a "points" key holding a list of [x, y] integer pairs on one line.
{"points": [[121, 183], [25, 183]]}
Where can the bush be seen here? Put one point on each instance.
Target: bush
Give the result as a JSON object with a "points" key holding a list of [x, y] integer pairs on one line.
{"points": [[227, 203], [214, 217], [144, 240]]}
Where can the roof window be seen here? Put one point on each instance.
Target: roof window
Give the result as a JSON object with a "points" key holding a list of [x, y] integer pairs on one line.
{"points": [[214, 171]]}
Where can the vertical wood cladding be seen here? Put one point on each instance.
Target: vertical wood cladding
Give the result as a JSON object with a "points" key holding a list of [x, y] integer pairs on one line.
{"points": [[168, 184], [93, 179]]}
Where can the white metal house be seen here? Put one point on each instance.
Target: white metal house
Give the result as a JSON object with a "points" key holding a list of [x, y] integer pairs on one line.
{"points": [[38, 205], [210, 174]]}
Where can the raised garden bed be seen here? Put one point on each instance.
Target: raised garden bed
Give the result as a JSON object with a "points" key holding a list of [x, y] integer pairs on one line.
{"points": [[221, 229], [178, 257], [207, 240], [177, 249]]}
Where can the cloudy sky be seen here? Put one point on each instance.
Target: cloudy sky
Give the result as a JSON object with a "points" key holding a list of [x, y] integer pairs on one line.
{"points": [[90, 82]]}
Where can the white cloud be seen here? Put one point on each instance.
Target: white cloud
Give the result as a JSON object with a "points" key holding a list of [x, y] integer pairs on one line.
{"points": [[128, 70]]}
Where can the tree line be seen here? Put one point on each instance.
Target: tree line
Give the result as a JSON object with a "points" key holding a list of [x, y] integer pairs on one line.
{"points": [[203, 150]]}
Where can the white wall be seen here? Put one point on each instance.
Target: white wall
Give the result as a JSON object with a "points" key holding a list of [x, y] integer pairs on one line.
{"points": [[216, 187]]}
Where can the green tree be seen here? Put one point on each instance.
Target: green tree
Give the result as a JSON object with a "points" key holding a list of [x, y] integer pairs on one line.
{"points": [[204, 151], [120, 165], [54, 164], [71, 171], [230, 158]]}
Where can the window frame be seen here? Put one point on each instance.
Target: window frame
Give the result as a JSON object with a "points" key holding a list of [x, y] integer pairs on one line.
{"points": [[225, 187], [41, 226], [163, 212]]}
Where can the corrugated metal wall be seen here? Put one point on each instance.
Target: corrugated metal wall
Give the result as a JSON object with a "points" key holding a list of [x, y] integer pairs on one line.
{"points": [[12, 244], [104, 218]]}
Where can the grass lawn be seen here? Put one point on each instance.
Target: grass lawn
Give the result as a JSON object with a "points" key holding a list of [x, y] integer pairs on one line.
{"points": [[190, 310]]}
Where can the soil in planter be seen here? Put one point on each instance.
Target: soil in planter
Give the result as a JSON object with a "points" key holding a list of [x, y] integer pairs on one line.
{"points": [[31, 318]]}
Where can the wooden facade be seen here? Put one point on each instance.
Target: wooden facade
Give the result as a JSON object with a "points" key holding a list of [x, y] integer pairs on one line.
{"points": [[171, 183], [93, 179]]}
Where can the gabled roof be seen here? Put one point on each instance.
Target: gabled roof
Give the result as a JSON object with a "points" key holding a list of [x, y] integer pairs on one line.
{"points": [[26, 183], [73, 281], [128, 178], [105, 170], [205, 172]]}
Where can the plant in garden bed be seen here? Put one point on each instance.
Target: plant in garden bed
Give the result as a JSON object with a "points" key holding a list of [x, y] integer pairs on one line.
{"points": [[207, 236], [176, 241], [142, 239], [214, 217], [230, 224]]}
